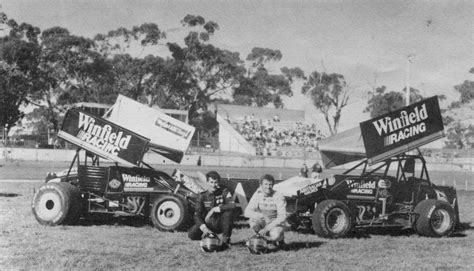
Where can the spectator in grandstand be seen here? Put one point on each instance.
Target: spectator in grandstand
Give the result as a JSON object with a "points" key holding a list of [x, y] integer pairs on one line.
{"points": [[199, 161], [214, 211], [276, 118], [316, 171], [267, 212], [304, 171]]}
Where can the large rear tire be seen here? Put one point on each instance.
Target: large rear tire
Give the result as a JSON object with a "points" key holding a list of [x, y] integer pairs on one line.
{"points": [[436, 218], [332, 219], [57, 204], [170, 213]]}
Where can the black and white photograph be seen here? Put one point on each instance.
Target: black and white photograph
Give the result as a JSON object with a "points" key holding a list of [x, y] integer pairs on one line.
{"points": [[236, 135]]}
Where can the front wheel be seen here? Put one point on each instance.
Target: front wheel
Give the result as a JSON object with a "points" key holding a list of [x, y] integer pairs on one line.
{"points": [[169, 213], [57, 204], [435, 218], [332, 219]]}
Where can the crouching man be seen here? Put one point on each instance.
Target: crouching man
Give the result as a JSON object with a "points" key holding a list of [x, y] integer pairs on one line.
{"points": [[214, 211], [267, 212]]}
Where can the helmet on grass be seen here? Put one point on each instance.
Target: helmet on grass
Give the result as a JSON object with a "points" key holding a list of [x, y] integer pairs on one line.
{"points": [[210, 242], [257, 245]]}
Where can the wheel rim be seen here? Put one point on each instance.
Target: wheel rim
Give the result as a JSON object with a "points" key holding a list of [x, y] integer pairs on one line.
{"points": [[168, 213], [336, 220], [49, 206], [440, 221]]}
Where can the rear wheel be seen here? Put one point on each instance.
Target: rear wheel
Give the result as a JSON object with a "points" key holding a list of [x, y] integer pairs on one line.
{"points": [[435, 218], [332, 219], [169, 213], [56, 204]]}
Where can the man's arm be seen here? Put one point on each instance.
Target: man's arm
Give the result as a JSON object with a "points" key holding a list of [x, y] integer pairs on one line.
{"points": [[200, 210], [252, 208], [229, 203]]}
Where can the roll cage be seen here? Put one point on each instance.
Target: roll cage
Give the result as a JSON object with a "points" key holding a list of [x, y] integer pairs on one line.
{"points": [[406, 167]]}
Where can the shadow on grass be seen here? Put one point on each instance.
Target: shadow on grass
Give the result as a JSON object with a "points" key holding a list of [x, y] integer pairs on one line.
{"points": [[292, 246], [295, 246], [9, 195], [100, 220], [461, 228], [393, 231]]}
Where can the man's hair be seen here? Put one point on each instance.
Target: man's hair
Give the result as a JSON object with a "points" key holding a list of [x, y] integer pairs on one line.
{"points": [[214, 175], [267, 177]]}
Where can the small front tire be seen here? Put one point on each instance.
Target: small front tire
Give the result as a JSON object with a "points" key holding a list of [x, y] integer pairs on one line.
{"points": [[56, 204], [169, 213]]}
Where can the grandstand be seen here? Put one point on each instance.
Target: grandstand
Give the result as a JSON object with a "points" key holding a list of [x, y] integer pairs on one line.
{"points": [[265, 131]]}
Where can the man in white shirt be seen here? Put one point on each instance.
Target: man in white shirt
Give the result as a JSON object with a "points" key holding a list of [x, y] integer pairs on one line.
{"points": [[267, 212]]}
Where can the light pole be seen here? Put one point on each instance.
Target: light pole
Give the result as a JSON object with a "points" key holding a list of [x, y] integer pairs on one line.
{"points": [[407, 98]]}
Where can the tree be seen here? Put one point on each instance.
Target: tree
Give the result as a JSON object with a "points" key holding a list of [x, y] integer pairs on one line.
{"points": [[383, 102], [132, 76], [187, 80], [69, 71], [466, 89], [19, 75], [328, 92], [199, 70], [119, 40], [460, 134], [258, 87], [13, 91]]}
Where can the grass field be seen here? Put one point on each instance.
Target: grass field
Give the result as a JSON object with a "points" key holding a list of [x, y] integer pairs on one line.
{"points": [[126, 244]]}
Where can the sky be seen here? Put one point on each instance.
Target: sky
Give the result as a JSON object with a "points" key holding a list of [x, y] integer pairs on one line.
{"points": [[369, 42]]}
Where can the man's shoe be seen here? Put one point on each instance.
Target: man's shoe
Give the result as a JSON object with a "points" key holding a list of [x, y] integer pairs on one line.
{"points": [[272, 246], [281, 245], [225, 246]]}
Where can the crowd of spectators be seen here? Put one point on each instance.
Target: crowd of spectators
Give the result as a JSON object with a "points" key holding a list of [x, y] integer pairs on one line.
{"points": [[270, 134]]}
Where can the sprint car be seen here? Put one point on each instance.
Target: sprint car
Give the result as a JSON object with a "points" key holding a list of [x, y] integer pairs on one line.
{"points": [[131, 189], [365, 197], [389, 186]]}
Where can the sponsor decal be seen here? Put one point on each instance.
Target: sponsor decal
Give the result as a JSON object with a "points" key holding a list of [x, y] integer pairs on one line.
{"points": [[431, 211], [361, 191], [402, 130], [361, 187], [173, 128], [114, 184], [406, 125], [101, 136], [360, 184], [131, 181], [310, 188], [188, 182]]}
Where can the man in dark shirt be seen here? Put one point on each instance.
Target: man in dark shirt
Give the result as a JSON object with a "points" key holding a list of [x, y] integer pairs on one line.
{"points": [[214, 211]]}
